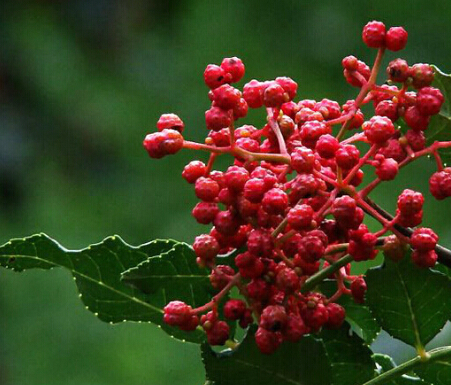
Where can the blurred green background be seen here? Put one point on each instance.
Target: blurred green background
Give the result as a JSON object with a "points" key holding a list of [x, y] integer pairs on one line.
{"points": [[82, 82]]}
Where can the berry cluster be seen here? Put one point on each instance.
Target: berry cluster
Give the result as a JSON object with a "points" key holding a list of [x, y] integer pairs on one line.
{"points": [[291, 206]]}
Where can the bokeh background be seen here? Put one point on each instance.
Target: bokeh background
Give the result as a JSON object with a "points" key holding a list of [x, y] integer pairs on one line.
{"points": [[82, 82]]}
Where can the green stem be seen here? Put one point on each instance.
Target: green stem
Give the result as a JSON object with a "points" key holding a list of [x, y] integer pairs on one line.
{"points": [[310, 283], [406, 367]]}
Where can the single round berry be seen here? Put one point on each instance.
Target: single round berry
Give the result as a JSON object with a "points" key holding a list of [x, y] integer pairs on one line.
{"points": [[274, 95], [206, 247], [273, 318], [423, 239], [206, 189], [253, 93], [288, 85], [160, 144], [387, 169], [396, 38], [234, 309], [350, 63], [347, 156], [217, 118], [336, 314], [236, 177], [389, 109], [218, 334], [205, 212], [300, 217], [226, 223], [171, 121], [410, 202], [373, 34], [260, 243], [327, 146], [415, 120], [215, 76], [303, 160], [440, 184], [235, 67], [398, 70], [275, 201], [416, 140], [194, 170], [295, 329], [254, 189], [287, 280], [177, 313], [429, 101], [424, 259], [226, 96], [378, 129], [422, 75]]}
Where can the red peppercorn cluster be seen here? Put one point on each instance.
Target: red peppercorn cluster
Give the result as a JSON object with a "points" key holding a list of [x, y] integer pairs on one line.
{"points": [[291, 204]]}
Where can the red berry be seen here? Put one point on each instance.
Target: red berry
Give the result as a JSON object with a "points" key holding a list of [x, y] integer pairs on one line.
{"points": [[236, 177], [206, 247], [215, 76], [254, 189], [235, 67], [429, 101], [226, 223], [234, 309], [220, 276], [253, 93], [288, 85], [422, 75], [273, 318], [274, 95], [358, 289], [350, 63], [303, 160], [258, 289], [336, 314], [423, 239], [206, 189], [194, 170], [226, 97], [178, 313], [315, 315], [287, 280], [378, 129], [343, 209], [389, 109], [275, 201], [327, 146], [218, 334], [347, 156], [216, 118], [398, 70], [393, 149], [295, 329], [240, 109], [416, 140], [205, 212], [424, 259], [160, 144], [415, 120], [373, 34], [267, 341], [410, 202], [260, 243], [312, 246], [171, 121], [396, 38], [387, 169], [440, 184], [300, 217]]}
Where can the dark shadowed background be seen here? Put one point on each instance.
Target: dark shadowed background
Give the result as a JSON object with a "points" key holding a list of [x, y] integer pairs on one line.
{"points": [[82, 82]]}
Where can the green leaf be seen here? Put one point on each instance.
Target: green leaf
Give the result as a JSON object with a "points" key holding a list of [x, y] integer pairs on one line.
{"points": [[97, 273], [174, 272], [386, 363], [410, 303], [357, 315], [333, 358], [437, 372], [440, 126]]}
